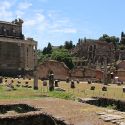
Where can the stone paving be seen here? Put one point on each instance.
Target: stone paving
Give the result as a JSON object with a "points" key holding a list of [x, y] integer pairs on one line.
{"points": [[113, 116]]}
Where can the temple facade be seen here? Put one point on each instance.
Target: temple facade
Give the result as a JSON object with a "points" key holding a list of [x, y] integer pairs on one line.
{"points": [[17, 54]]}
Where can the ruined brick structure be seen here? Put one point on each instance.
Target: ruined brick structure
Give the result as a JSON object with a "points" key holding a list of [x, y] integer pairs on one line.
{"points": [[17, 55], [92, 52], [59, 69], [120, 72]]}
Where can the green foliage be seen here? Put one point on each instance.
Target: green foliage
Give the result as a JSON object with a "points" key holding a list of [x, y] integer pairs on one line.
{"points": [[113, 106], [62, 95], [62, 55], [68, 45], [122, 38], [48, 49], [42, 57], [122, 47], [110, 39]]}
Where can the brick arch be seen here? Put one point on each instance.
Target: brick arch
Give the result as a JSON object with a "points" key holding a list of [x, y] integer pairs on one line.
{"points": [[59, 69]]}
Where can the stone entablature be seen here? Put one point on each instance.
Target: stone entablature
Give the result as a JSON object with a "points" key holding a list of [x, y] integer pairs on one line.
{"points": [[11, 29]]}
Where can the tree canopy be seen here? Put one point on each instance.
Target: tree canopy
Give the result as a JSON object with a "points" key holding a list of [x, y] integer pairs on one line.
{"points": [[109, 39], [48, 49], [62, 55], [68, 45]]}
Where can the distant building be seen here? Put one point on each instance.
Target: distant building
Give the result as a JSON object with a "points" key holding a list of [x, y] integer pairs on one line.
{"points": [[92, 52], [17, 55]]}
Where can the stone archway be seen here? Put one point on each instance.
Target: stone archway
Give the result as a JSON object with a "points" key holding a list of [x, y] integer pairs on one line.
{"points": [[59, 69], [50, 71]]}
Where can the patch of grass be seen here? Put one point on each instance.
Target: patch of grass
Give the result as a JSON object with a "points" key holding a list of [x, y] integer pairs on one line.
{"points": [[113, 106], [62, 95]]}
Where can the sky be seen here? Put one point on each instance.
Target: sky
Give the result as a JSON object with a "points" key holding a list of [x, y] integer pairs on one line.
{"points": [[57, 21]]}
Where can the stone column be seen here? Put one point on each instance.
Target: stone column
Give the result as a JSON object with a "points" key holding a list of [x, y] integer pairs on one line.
{"points": [[51, 82], [35, 80], [35, 58], [105, 71]]}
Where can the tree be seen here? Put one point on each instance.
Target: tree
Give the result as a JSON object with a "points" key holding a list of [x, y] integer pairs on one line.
{"points": [[122, 34], [110, 39], [68, 45], [122, 41], [48, 49], [44, 51], [62, 55]]}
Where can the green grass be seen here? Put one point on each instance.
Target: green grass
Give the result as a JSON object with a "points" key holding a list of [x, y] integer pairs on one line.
{"points": [[21, 93], [62, 95], [113, 106], [82, 90]]}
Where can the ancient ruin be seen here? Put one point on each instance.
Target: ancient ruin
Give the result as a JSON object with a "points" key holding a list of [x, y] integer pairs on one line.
{"points": [[17, 54], [60, 70]]}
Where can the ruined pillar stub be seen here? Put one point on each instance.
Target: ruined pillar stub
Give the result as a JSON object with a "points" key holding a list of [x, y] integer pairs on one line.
{"points": [[35, 80], [51, 82]]}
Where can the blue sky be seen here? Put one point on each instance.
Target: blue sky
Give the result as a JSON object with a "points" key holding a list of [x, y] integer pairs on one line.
{"points": [[56, 21]]}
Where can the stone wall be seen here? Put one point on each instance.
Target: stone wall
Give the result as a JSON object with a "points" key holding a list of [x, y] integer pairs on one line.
{"points": [[59, 69], [83, 73], [121, 74], [99, 75], [105, 102], [90, 73], [17, 55], [77, 73], [94, 51], [32, 118], [121, 64], [23, 114]]}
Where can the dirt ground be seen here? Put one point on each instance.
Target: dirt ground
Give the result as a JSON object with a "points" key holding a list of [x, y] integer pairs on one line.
{"points": [[72, 112]]}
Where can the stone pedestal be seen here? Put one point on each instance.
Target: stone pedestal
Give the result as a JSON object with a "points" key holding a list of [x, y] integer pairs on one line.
{"points": [[72, 84]]}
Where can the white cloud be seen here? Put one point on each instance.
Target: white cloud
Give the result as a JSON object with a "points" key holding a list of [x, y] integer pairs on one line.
{"points": [[40, 17], [5, 5], [38, 23], [5, 12], [24, 5], [30, 23], [66, 30], [62, 26], [20, 13]]}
